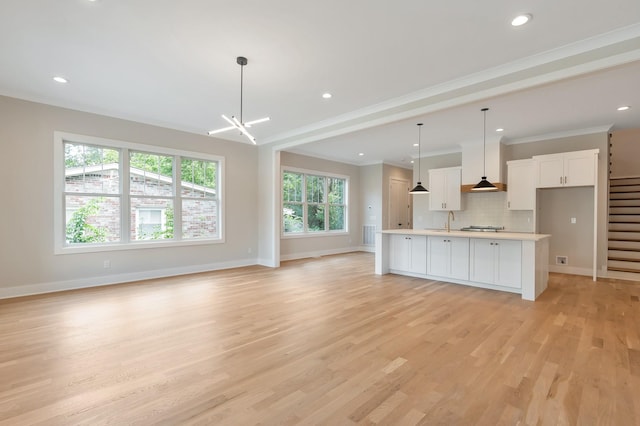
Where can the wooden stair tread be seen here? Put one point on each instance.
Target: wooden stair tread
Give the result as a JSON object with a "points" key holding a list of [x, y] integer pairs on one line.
{"points": [[615, 268], [626, 259]]}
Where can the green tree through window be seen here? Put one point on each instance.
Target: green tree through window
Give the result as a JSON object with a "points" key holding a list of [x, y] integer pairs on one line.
{"points": [[313, 203]]}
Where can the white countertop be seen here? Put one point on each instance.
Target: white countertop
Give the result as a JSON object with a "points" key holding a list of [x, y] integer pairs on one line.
{"points": [[500, 235]]}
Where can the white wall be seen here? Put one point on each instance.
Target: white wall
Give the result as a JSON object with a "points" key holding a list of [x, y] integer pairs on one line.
{"points": [[27, 260], [371, 195], [308, 246]]}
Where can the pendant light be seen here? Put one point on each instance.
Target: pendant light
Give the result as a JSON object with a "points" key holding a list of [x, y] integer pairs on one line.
{"points": [[235, 123], [419, 189], [484, 184]]}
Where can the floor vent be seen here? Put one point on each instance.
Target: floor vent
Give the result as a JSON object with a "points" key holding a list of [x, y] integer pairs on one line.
{"points": [[368, 235]]}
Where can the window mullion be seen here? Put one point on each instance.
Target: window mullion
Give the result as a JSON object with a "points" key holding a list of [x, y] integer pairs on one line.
{"points": [[305, 207], [177, 198], [125, 196], [325, 194]]}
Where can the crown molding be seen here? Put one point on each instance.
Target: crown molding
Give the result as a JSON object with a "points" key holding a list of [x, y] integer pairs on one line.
{"points": [[559, 135]]}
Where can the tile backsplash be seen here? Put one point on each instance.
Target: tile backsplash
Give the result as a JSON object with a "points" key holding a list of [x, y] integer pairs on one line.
{"points": [[488, 208]]}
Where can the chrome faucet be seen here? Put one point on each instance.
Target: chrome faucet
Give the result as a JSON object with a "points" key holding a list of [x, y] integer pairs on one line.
{"points": [[450, 216]]}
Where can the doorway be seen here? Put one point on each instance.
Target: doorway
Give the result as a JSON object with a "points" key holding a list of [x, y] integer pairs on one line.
{"points": [[399, 206]]}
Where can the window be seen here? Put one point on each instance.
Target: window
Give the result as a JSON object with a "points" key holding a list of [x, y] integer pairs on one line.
{"points": [[313, 203], [115, 194]]}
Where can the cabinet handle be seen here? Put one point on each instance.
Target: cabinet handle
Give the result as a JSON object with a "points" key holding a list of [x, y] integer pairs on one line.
{"points": [[560, 180], [508, 204], [565, 179]]}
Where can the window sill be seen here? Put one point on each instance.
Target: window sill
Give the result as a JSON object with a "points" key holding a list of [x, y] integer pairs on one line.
{"points": [[135, 246], [314, 234]]}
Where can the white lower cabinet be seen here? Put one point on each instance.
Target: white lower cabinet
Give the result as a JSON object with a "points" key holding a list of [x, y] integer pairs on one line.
{"points": [[408, 253], [448, 257], [496, 262]]}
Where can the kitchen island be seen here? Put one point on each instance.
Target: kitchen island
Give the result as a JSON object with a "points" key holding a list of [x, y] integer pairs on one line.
{"points": [[506, 261]]}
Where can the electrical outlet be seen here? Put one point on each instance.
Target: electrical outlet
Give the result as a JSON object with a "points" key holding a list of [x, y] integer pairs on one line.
{"points": [[107, 264], [562, 260], [573, 220]]}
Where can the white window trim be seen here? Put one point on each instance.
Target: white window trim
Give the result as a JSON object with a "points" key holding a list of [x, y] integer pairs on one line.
{"points": [[314, 234], [59, 223]]}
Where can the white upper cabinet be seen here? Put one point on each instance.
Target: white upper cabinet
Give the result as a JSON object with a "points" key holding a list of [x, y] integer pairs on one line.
{"points": [[566, 169], [444, 188], [521, 185]]}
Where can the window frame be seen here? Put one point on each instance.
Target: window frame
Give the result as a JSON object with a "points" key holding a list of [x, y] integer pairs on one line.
{"points": [[126, 242], [306, 232]]}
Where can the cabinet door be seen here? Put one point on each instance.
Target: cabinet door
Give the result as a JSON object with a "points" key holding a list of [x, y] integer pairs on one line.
{"points": [[399, 252], [437, 196], [579, 169], [459, 252], [438, 256], [482, 261], [452, 189], [521, 185], [549, 171], [419, 254], [508, 263]]}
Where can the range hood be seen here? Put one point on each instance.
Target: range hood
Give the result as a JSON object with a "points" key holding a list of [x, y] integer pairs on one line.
{"points": [[473, 164]]}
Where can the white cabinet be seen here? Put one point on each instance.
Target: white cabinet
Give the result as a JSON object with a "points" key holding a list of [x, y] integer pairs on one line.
{"points": [[444, 188], [448, 257], [566, 169], [408, 253], [496, 262], [521, 185]]}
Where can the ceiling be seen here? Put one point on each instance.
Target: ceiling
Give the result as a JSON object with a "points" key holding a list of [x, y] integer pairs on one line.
{"points": [[388, 65]]}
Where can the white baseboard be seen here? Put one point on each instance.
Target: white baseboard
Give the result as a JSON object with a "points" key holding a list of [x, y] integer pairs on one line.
{"points": [[318, 253], [267, 262], [571, 270], [51, 287], [369, 249]]}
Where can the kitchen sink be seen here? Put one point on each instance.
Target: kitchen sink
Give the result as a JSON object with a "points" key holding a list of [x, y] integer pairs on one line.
{"points": [[476, 228]]}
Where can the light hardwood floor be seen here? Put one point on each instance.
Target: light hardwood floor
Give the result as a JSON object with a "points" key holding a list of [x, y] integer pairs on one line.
{"points": [[321, 341]]}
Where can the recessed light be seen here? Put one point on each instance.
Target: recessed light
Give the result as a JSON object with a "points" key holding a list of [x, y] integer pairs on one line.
{"points": [[361, 154], [415, 144], [521, 19], [59, 79], [412, 161], [499, 129], [624, 108], [326, 95]]}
